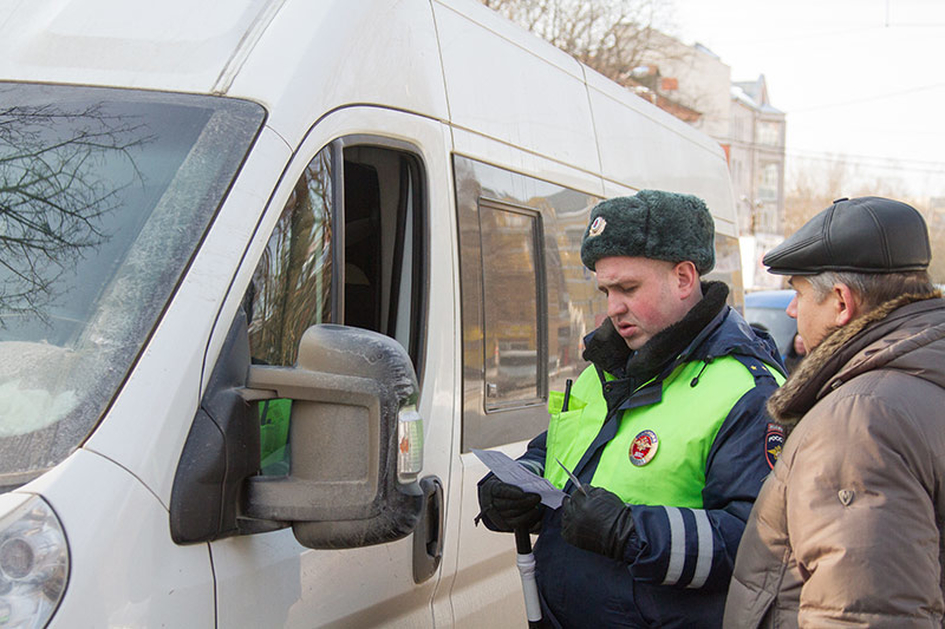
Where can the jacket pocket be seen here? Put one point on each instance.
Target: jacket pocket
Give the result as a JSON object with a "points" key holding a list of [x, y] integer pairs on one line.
{"points": [[561, 433], [556, 403], [560, 442]]}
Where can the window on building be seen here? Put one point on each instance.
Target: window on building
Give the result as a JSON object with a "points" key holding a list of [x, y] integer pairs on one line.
{"points": [[769, 133], [769, 184]]}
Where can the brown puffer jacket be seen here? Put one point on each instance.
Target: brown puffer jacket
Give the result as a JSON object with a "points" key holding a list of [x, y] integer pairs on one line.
{"points": [[848, 528]]}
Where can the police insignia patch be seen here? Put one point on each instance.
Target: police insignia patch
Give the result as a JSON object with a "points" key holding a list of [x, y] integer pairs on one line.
{"points": [[774, 441], [597, 227], [644, 447]]}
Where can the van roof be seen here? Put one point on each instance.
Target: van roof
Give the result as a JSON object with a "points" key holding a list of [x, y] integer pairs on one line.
{"points": [[437, 58], [170, 45], [285, 54]]}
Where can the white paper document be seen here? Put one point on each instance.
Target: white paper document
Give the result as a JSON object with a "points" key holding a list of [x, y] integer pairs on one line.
{"points": [[513, 473]]}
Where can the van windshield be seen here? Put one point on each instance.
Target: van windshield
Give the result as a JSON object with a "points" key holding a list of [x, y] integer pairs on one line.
{"points": [[104, 197]]}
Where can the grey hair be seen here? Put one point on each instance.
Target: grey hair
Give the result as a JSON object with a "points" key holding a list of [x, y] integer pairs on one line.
{"points": [[873, 288]]}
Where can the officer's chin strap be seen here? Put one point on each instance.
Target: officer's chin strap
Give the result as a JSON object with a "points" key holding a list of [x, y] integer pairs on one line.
{"points": [[525, 561]]}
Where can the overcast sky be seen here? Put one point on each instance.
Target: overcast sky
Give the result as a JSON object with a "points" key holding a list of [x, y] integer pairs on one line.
{"points": [[858, 79]]}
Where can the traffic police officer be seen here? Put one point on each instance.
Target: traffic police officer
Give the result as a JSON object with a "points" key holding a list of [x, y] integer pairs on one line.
{"points": [[666, 431]]}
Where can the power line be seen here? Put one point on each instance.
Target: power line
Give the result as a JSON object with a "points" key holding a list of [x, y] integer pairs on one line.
{"points": [[832, 34], [869, 99], [890, 167], [937, 168], [804, 36], [916, 25], [801, 152]]}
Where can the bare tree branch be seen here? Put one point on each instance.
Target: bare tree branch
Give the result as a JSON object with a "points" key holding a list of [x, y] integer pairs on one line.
{"points": [[611, 36], [54, 195]]}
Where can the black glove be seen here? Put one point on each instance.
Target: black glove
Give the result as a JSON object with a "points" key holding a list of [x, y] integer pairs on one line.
{"points": [[599, 522], [505, 507]]}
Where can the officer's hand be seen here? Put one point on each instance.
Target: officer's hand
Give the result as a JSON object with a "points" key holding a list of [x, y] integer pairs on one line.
{"points": [[505, 507], [599, 522]]}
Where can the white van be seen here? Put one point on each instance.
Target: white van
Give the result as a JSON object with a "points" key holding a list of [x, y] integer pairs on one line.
{"points": [[191, 193]]}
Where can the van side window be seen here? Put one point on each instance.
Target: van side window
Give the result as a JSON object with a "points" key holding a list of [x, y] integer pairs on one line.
{"points": [[512, 297], [527, 301], [291, 288], [375, 280], [385, 250]]}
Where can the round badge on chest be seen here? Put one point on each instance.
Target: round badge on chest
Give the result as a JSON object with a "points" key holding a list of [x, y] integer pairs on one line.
{"points": [[644, 447]]}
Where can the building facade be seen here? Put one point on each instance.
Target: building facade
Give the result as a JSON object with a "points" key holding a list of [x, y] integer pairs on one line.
{"points": [[756, 161]]}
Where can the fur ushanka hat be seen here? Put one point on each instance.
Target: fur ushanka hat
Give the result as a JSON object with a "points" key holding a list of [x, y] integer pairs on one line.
{"points": [[651, 224]]}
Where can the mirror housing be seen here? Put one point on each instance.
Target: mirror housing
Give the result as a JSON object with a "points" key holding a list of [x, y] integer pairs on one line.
{"points": [[355, 439]]}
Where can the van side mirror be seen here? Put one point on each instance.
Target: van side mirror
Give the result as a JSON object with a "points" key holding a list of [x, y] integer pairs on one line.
{"points": [[355, 439]]}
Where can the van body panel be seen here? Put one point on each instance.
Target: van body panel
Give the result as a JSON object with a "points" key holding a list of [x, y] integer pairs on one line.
{"points": [[614, 189], [266, 581], [659, 151], [487, 587], [174, 45], [481, 17], [319, 584], [334, 43], [490, 151], [597, 82], [149, 420], [124, 569], [522, 103]]}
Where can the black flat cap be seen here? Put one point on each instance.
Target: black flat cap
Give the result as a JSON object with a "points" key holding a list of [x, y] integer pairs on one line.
{"points": [[863, 235]]}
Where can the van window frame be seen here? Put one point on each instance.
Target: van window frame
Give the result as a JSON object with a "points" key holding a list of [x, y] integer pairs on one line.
{"points": [[562, 213], [394, 204], [541, 307], [420, 300]]}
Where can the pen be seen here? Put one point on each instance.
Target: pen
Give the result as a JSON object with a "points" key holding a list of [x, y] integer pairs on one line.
{"points": [[574, 479], [567, 398]]}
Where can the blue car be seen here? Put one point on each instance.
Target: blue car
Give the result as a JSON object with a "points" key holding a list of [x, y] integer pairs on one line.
{"points": [[767, 308]]}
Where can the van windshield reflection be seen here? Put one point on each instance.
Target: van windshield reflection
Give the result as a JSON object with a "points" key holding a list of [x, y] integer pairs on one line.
{"points": [[104, 195]]}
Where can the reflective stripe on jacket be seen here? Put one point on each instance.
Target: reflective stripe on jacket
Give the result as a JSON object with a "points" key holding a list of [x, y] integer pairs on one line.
{"points": [[711, 438]]}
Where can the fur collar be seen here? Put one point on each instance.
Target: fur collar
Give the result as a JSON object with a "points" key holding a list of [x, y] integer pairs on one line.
{"points": [[608, 351], [808, 384]]}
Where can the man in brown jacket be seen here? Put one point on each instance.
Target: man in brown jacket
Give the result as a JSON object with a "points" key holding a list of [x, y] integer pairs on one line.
{"points": [[848, 528]]}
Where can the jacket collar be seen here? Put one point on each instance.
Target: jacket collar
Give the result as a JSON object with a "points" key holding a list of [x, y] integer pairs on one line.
{"points": [[829, 364]]}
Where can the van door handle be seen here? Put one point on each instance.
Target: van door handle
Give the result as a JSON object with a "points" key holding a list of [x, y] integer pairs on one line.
{"points": [[428, 536]]}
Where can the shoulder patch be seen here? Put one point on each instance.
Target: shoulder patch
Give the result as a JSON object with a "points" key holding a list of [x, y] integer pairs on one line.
{"points": [[759, 369], [774, 441]]}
